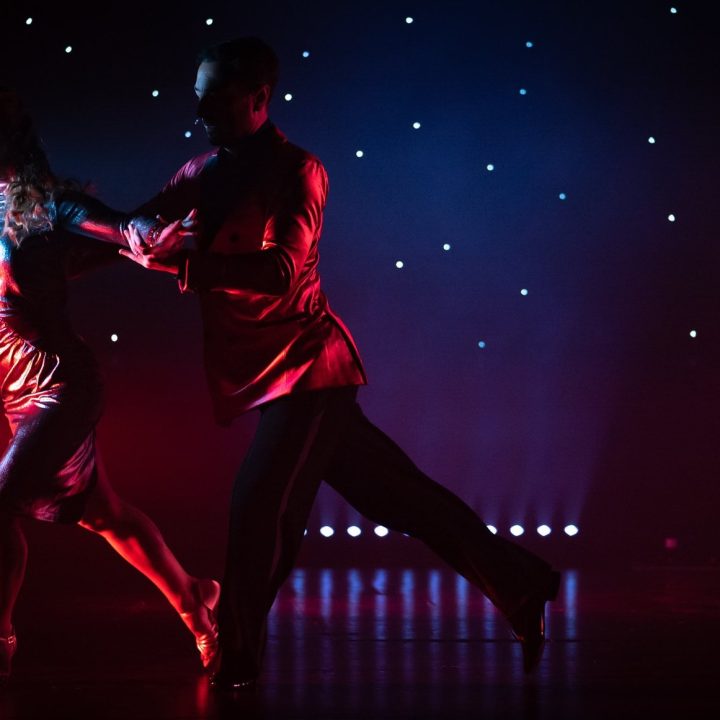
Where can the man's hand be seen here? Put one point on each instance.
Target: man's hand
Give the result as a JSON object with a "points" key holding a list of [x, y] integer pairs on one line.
{"points": [[144, 255], [162, 255]]}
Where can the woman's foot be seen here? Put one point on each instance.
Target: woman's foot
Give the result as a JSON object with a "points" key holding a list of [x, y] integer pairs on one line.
{"points": [[8, 647], [202, 621]]}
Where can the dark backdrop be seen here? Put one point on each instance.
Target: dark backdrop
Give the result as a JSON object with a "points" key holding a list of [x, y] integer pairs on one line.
{"points": [[585, 400]]}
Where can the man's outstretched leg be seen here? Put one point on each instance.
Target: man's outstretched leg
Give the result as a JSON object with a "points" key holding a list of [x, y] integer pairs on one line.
{"points": [[377, 478]]}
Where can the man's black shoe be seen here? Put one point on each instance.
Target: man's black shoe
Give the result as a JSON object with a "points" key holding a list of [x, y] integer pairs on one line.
{"points": [[528, 622], [229, 683]]}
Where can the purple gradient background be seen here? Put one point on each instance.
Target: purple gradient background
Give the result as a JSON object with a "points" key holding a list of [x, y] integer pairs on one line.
{"points": [[590, 403]]}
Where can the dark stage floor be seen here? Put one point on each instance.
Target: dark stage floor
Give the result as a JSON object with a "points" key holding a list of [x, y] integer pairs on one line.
{"points": [[375, 643]]}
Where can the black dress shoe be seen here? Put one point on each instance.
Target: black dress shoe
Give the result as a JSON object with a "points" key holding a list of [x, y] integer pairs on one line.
{"points": [[528, 622], [229, 683]]}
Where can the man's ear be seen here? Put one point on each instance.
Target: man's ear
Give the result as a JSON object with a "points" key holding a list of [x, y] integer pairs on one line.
{"points": [[262, 98]]}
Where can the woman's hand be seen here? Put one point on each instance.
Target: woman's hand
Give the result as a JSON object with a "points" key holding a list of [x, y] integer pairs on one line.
{"points": [[162, 253]]}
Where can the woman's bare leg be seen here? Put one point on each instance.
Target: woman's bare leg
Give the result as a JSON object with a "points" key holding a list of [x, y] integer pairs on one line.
{"points": [[13, 559], [136, 538]]}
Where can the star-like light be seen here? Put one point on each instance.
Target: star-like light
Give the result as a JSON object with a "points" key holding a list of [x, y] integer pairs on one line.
{"points": [[288, 97], [29, 21], [155, 93], [693, 333], [68, 49], [529, 44], [524, 292], [114, 338], [481, 344], [359, 153], [209, 21], [446, 247], [399, 264], [651, 140], [188, 134], [522, 91], [306, 53], [409, 20], [490, 167], [417, 125], [562, 196], [671, 217]]}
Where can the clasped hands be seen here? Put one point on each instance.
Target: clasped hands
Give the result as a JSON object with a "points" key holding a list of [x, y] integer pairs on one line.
{"points": [[163, 253]]}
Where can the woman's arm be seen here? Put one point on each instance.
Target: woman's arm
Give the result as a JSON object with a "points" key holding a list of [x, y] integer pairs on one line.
{"points": [[86, 215]]}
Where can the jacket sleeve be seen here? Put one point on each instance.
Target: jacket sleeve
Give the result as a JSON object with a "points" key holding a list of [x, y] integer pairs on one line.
{"points": [[290, 235], [85, 215], [178, 196]]}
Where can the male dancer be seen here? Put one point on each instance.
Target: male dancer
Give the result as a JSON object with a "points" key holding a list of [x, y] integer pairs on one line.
{"points": [[272, 343]]}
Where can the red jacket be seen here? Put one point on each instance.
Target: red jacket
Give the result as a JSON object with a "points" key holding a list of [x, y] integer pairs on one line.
{"points": [[268, 328]]}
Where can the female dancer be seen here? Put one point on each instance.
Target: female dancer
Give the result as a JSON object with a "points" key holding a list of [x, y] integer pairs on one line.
{"points": [[51, 391]]}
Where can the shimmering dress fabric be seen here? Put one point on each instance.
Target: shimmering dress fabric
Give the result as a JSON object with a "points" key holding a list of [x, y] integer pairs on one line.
{"points": [[49, 381]]}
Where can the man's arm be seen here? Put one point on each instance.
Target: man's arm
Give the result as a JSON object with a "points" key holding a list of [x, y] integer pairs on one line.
{"points": [[272, 270], [179, 195]]}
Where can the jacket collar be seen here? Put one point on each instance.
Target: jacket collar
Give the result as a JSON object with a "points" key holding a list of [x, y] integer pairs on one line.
{"points": [[250, 145]]}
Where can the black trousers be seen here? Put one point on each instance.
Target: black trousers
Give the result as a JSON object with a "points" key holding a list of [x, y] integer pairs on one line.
{"points": [[305, 438]]}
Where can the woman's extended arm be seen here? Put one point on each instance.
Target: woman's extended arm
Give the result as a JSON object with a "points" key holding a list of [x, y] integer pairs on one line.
{"points": [[80, 213]]}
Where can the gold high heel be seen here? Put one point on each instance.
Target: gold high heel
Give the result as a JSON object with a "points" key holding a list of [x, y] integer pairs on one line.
{"points": [[202, 622], [8, 647]]}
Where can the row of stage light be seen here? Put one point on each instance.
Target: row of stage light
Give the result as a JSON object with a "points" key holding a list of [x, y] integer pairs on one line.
{"points": [[516, 530]]}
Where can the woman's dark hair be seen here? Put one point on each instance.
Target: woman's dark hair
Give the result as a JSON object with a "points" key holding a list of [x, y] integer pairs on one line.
{"points": [[24, 166], [248, 61]]}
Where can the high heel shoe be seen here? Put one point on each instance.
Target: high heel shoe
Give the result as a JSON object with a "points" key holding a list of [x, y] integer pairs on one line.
{"points": [[8, 647], [202, 622]]}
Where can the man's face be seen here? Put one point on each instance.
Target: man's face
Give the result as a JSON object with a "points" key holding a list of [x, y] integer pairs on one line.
{"points": [[228, 112]]}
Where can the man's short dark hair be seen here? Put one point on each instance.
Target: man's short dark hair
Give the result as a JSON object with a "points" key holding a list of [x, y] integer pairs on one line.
{"points": [[248, 61]]}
